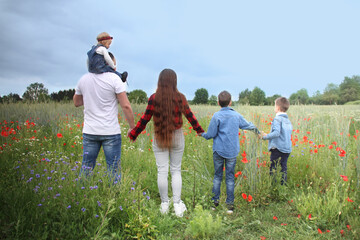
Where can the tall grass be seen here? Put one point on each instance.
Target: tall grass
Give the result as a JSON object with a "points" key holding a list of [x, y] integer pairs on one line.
{"points": [[43, 196]]}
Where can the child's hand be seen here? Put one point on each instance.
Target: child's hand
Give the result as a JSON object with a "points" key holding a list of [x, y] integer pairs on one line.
{"points": [[199, 134], [263, 134]]}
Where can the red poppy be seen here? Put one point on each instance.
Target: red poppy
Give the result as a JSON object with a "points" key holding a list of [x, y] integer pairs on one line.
{"points": [[309, 216], [342, 153], [262, 237], [349, 200], [319, 230], [275, 218], [238, 174], [59, 135], [250, 198], [330, 146], [335, 143], [342, 232], [244, 160], [345, 178], [348, 227], [244, 196]]}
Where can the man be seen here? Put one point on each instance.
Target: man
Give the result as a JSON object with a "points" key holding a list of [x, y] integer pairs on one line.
{"points": [[100, 94]]}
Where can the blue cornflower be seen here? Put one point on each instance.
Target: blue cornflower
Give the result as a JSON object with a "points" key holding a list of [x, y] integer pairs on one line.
{"points": [[132, 189], [49, 178], [120, 208], [37, 175], [96, 216], [68, 206], [148, 197], [39, 204], [30, 179], [83, 209], [50, 188], [99, 203], [144, 193]]}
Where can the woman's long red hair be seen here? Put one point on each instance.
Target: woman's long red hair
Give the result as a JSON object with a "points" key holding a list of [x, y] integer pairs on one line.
{"points": [[167, 100]]}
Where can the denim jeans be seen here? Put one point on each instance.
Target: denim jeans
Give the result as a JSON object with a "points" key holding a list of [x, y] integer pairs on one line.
{"points": [[274, 158], [112, 149], [174, 156], [230, 164]]}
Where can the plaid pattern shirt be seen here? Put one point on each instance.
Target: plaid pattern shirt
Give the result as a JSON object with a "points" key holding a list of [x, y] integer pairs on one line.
{"points": [[140, 126]]}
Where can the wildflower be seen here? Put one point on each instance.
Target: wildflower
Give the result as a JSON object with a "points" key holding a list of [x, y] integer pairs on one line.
{"points": [[244, 160], [132, 189], [99, 203], [39, 204], [348, 227], [50, 188], [275, 218], [342, 153], [330, 146], [238, 173], [68, 206], [96, 216], [262, 237], [345, 178], [144, 193], [342, 232], [349, 200], [244, 196], [83, 209], [59, 135], [120, 208], [250, 198], [148, 197], [319, 230], [283, 224], [309, 216]]}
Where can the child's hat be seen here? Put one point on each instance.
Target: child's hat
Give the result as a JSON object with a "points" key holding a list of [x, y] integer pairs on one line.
{"points": [[103, 36]]}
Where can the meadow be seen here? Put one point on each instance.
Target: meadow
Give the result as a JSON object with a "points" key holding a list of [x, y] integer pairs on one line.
{"points": [[43, 197]]}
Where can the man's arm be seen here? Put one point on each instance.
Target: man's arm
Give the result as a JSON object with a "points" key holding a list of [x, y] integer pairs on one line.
{"points": [[126, 108], [78, 100]]}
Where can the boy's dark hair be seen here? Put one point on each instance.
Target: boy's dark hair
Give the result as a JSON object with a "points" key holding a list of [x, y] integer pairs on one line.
{"points": [[224, 98], [283, 103]]}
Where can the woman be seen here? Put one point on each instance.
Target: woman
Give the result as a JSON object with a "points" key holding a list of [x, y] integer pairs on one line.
{"points": [[167, 106]]}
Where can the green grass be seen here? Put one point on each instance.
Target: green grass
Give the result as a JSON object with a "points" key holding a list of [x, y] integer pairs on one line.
{"points": [[42, 196]]}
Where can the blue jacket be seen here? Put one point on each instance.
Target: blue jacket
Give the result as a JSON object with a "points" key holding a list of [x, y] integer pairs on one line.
{"points": [[280, 135], [224, 129]]}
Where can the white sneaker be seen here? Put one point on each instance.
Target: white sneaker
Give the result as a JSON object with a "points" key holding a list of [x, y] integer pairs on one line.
{"points": [[164, 207], [179, 208]]}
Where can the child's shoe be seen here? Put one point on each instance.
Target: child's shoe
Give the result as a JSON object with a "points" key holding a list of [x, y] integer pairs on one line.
{"points": [[164, 207], [179, 208], [215, 205], [230, 209], [124, 76]]}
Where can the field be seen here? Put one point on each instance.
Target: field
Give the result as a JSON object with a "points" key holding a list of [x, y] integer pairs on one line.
{"points": [[42, 196]]}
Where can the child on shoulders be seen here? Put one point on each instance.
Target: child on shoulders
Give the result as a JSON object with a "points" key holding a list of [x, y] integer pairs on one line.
{"points": [[99, 60]]}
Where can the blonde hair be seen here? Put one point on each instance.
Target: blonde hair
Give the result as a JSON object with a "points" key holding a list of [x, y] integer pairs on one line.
{"points": [[101, 36]]}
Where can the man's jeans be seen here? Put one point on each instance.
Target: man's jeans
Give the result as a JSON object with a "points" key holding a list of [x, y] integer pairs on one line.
{"points": [[274, 158], [230, 164], [112, 148]]}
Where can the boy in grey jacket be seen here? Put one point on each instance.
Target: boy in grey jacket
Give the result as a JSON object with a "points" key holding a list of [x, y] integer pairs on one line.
{"points": [[280, 138]]}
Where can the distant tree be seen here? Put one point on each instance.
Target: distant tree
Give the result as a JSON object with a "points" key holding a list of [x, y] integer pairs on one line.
{"points": [[271, 100], [244, 97], [212, 100], [331, 94], [350, 89], [300, 97], [257, 97], [11, 98], [201, 96], [63, 95], [317, 98], [36, 92], [137, 96]]}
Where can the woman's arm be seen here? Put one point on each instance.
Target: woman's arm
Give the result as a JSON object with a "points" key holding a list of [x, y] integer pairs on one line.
{"points": [[141, 124]]}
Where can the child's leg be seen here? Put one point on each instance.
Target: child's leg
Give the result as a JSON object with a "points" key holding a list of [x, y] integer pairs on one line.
{"points": [[283, 163], [218, 175], [274, 159], [230, 164]]}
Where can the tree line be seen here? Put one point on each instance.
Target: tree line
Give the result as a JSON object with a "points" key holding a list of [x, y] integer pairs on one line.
{"points": [[347, 91]]}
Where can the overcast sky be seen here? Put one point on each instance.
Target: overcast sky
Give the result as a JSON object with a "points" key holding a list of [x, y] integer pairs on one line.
{"points": [[280, 46]]}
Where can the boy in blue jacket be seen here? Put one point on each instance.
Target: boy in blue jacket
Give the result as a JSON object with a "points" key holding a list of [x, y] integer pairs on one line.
{"points": [[280, 138], [224, 129]]}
